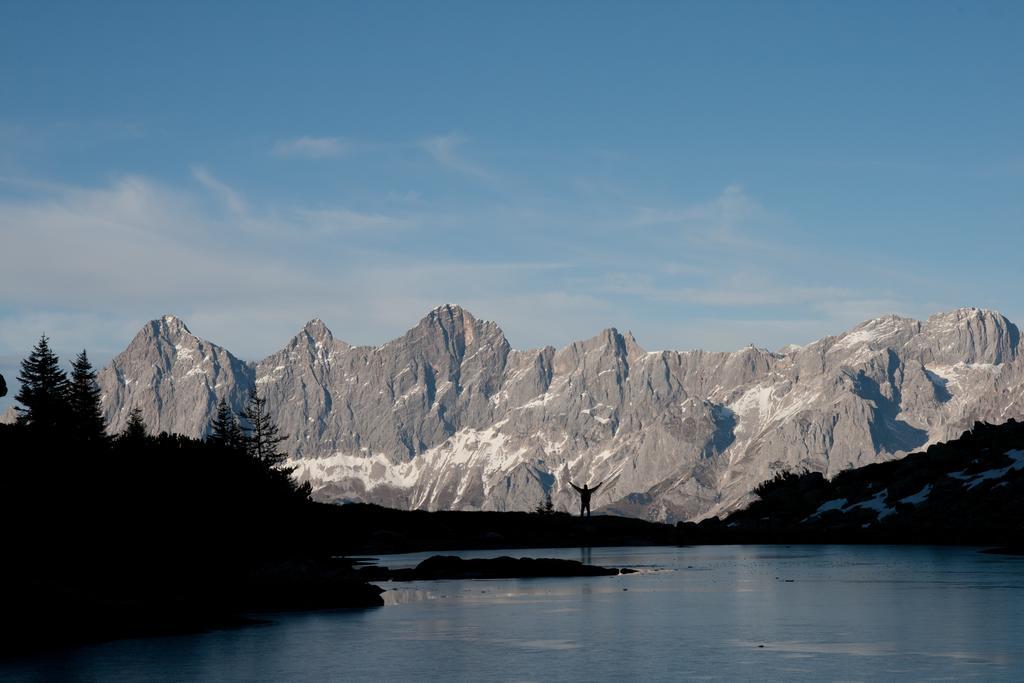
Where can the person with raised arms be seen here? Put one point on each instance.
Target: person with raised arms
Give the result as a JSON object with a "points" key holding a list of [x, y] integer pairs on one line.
{"points": [[585, 494]]}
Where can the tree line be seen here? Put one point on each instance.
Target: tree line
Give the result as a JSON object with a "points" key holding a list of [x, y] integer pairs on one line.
{"points": [[129, 506], [57, 407]]}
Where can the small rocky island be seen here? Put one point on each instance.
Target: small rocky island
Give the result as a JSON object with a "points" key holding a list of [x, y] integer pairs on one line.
{"points": [[453, 567]]}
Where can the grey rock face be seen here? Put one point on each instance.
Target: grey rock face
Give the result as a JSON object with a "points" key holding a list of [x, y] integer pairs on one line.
{"points": [[450, 416], [175, 377]]}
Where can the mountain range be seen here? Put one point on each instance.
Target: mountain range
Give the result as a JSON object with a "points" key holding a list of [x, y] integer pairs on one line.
{"points": [[450, 416]]}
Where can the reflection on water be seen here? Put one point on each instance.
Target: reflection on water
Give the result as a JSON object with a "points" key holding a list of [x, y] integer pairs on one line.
{"points": [[719, 613]]}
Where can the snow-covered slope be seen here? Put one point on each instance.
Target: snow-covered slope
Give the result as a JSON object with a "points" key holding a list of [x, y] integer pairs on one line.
{"points": [[450, 416]]}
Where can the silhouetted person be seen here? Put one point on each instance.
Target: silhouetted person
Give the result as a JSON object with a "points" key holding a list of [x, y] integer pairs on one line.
{"points": [[585, 494]]}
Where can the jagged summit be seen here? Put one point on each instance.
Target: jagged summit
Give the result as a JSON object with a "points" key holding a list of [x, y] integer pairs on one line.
{"points": [[174, 376], [453, 315], [610, 339], [969, 312], [972, 335], [448, 315], [454, 329], [968, 317], [449, 308], [317, 330], [169, 325]]}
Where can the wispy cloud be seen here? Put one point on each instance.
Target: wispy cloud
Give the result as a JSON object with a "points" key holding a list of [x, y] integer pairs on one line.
{"points": [[312, 148], [444, 149], [719, 219], [123, 253], [297, 221], [232, 199]]}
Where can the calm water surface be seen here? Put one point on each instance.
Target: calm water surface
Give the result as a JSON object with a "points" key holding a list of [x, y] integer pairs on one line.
{"points": [[712, 612]]}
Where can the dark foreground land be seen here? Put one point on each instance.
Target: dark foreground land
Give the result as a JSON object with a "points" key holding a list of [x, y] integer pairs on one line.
{"points": [[92, 558], [99, 585]]}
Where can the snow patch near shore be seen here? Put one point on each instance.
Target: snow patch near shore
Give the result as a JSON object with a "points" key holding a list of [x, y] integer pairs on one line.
{"points": [[919, 497], [972, 480]]}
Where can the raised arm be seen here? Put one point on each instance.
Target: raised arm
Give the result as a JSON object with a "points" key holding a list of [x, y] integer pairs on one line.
{"points": [[575, 487], [597, 487]]}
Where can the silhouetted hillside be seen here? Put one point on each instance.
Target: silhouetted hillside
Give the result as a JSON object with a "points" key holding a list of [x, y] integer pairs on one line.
{"points": [[970, 491]]}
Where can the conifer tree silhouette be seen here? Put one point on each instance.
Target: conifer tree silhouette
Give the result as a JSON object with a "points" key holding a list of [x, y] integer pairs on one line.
{"points": [[135, 431], [84, 397], [44, 390], [224, 428], [262, 436]]}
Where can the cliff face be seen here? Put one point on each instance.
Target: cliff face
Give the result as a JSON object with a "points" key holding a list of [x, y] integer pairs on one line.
{"points": [[450, 416]]}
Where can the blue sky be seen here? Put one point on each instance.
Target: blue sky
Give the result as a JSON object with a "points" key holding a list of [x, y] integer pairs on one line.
{"points": [[704, 174]]}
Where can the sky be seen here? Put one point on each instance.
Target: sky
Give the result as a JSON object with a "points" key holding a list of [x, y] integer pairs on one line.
{"points": [[704, 174]]}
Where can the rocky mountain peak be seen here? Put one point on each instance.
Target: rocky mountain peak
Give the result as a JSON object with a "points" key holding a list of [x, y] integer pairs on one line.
{"points": [[967, 317], [316, 325], [969, 335], [451, 318], [454, 329], [316, 329], [174, 376], [611, 340], [163, 336], [167, 326]]}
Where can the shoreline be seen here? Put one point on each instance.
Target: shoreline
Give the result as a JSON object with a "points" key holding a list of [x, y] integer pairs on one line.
{"points": [[364, 580]]}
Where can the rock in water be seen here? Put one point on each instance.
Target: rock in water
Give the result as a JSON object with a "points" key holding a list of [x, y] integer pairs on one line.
{"points": [[452, 567]]}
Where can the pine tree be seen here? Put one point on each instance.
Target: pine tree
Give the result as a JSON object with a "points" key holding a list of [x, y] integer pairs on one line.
{"points": [[135, 429], [44, 390], [263, 435], [545, 506], [224, 428], [86, 413]]}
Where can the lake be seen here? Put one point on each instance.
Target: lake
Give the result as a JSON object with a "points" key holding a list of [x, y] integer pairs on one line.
{"points": [[700, 613]]}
